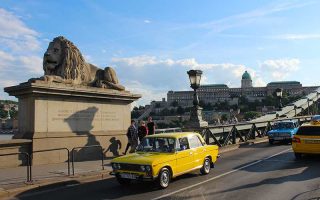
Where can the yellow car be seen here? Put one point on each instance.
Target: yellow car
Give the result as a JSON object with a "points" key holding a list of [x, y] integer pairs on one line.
{"points": [[307, 138], [162, 157]]}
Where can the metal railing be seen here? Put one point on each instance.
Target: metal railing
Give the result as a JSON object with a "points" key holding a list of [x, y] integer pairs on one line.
{"points": [[29, 171], [91, 146], [57, 149], [229, 134]]}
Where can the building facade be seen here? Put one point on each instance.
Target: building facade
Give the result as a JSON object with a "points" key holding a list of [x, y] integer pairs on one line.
{"points": [[214, 93]]}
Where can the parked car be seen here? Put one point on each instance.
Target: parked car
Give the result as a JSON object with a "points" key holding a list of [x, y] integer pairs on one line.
{"points": [[162, 157], [283, 131], [307, 138]]}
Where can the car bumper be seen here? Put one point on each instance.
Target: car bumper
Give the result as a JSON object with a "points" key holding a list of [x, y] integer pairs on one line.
{"points": [[135, 176], [280, 138], [306, 149]]}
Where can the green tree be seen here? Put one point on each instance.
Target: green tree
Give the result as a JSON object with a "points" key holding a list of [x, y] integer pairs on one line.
{"points": [[180, 110], [224, 117], [251, 115], [175, 104]]}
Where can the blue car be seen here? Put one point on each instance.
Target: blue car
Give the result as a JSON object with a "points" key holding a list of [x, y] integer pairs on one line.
{"points": [[283, 131]]}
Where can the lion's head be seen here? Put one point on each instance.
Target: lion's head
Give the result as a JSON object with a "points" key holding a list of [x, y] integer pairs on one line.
{"points": [[64, 59]]}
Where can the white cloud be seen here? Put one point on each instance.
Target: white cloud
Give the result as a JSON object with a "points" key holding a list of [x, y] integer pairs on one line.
{"points": [[279, 69], [33, 63], [148, 93], [15, 34], [155, 76], [5, 59], [249, 17], [298, 37], [19, 51], [147, 21]]}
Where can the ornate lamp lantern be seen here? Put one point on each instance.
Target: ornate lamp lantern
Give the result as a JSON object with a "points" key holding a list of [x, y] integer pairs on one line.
{"points": [[196, 120], [279, 95]]}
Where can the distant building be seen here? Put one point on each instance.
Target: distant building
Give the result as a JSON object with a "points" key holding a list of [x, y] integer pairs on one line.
{"points": [[214, 93]]}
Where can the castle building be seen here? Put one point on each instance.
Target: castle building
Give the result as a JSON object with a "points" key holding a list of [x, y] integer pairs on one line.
{"points": [[214, 93]]}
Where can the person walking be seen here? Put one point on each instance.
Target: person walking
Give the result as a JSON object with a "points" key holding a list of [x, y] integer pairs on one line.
{"points": [[151, 126], [142, 130], [132, 135]]}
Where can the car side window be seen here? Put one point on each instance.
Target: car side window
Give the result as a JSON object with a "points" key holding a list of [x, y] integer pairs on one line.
{"points": [[194, 142], [182, 144]]}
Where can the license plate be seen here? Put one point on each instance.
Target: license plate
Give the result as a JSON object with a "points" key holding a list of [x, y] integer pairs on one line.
{"points": [[128, 176], [312, 141], [279, 138]]}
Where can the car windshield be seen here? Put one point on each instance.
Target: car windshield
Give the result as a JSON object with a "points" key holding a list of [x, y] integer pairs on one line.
{"points": [[283, 125], [157, 144]]}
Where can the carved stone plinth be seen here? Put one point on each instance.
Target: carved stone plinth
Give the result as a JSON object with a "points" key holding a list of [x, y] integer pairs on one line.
{"points": [[55, 115], [196, 122]]}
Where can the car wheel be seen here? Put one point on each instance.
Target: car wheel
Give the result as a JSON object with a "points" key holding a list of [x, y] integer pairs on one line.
{"points": [[271, 141], [123, 181], [164, 178], [206, 166], [298, 156]]}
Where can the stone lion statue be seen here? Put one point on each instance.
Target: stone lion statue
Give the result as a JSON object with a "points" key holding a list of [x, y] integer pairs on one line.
{"points": [[64, 63]]}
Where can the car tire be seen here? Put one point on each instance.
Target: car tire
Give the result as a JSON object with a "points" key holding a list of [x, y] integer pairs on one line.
{"points": [[271, 141], [298, 156], [123, 181], [164, 178], [205, 169]]}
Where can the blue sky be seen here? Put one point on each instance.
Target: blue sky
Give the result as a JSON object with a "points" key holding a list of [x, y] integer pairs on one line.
{"points": [[152, 44]]}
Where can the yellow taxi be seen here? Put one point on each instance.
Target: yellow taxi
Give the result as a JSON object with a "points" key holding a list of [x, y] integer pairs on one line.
{"points": [[307, 138], [162, 157]]}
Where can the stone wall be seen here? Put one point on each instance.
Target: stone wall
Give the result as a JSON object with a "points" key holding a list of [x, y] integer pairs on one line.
{"points": [[14, 146]]}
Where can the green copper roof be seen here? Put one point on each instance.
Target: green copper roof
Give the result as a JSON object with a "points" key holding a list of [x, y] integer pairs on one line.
{"points": [[284, 82], [246, 75], [215, 86]]}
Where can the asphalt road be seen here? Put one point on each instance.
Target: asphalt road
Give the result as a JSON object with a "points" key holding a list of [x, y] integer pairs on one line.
{"points": [[252, 172]]}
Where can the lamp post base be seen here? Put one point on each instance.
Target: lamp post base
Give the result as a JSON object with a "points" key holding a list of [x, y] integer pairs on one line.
{"points": [[196, 120]]}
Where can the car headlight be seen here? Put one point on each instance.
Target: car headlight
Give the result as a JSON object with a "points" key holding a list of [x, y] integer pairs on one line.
{"points": [[148, 168], [270, 134], [142, 167], [118, 166], [113, 165]]}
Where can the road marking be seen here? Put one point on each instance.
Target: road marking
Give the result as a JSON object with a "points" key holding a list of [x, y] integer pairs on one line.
{"points": [[219, 176]]}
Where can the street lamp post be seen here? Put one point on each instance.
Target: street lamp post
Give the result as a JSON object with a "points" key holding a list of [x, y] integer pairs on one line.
{"points": [[279, 95], [196, 120], [309, 105]]}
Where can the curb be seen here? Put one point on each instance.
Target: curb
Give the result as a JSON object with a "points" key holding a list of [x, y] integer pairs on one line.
{"points": [[74, 180]]}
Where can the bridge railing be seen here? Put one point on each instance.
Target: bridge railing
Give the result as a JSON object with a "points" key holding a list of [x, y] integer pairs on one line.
{"points": [[241, 132]]}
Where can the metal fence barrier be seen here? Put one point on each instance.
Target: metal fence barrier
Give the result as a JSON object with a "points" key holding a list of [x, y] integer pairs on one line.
{"points": [[91, 146], [29, 171], [228, 134], [46, 150]]}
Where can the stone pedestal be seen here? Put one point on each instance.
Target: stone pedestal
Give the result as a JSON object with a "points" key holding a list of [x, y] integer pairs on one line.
{"points": [[196, 122], [57, 115]]}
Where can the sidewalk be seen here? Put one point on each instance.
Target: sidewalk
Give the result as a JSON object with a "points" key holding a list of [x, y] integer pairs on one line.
{"points": [[13, 180]]}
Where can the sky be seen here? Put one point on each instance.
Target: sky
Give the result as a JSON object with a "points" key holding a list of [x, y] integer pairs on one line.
{"points": [[152, 44]]}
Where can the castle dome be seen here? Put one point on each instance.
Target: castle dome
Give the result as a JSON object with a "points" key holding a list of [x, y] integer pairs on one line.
{"points": [[246, 76]]}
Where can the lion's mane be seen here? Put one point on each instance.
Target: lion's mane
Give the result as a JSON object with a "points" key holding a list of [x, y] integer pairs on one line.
{"points": [[72, 65]]}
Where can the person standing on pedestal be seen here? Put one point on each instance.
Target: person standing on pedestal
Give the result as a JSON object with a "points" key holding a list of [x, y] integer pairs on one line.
{"points": [[151, 126]]}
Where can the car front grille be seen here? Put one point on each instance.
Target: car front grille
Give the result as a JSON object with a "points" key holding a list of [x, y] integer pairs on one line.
{"points": [[130, 167], [281, 134]]}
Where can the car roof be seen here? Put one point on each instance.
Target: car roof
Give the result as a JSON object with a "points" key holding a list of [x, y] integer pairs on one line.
{"points": [[310, 124], [173, 134], [286, 121]]}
